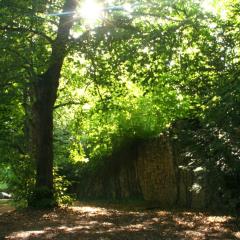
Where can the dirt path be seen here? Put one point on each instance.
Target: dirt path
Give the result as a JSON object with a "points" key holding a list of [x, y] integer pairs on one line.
{"points": [[87, 222]]}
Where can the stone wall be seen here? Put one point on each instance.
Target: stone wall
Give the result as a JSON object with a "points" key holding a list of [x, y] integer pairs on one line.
{"points": [[156, 171], [164, 177], [153, 169], [117, 178]]}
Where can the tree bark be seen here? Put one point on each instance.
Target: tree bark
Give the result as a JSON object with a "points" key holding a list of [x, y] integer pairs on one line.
{"points": [[45, 93]]}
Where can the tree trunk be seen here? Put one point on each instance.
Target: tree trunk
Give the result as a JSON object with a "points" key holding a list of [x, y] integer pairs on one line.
{"points": [[45, 93], [43, 124]]}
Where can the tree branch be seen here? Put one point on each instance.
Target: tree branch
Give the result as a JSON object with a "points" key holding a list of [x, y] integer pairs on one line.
{"points": [[59, 45], [110, 27], [68, 104], [26, 30]]}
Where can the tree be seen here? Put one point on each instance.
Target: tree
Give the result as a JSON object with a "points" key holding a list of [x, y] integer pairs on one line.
{"points": [[45, 93], [143, 71], [43, 83], [48, 50]]}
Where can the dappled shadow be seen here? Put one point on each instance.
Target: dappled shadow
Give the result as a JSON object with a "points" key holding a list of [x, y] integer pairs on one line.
{"points": [[89, 222]]}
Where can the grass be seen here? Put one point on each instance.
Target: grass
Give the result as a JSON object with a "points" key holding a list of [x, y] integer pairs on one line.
{"points": [[6, 202]]}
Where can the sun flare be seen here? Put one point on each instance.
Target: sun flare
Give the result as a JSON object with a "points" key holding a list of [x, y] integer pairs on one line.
{"points": [[215, 7], [90, 11]]}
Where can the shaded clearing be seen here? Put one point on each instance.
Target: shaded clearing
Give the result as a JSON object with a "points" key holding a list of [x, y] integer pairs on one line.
{"points": [[104, 223], [5, 206]]}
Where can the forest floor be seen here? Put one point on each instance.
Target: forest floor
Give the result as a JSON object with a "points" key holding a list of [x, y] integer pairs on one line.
{"points": [[94, 222]]}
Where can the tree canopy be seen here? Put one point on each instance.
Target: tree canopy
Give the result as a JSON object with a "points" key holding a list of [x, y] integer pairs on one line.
{"points": [[75, 86]]}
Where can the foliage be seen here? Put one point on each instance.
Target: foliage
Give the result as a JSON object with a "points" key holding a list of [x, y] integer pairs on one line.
{"points": [[130, 77], [61, 187], [20, 180]]}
